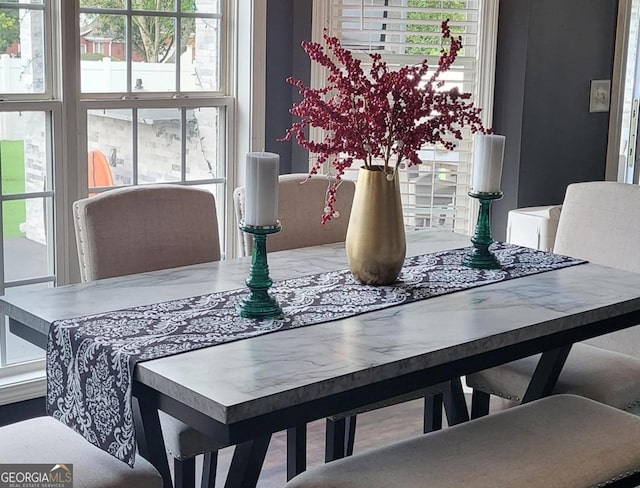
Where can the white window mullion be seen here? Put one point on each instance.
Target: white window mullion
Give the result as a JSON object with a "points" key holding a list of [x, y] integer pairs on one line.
{"points": [[485, 85], [129, 61], [69, 173], [249, 88]]}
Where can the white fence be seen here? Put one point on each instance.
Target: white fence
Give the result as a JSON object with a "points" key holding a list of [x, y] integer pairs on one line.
{"points": [[111, 76]]}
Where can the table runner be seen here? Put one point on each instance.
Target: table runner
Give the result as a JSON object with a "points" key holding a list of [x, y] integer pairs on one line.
{"points": [[90, 359]]}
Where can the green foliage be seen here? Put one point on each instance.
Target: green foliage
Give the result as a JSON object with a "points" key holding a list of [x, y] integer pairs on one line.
{"points": [[92, 56], [427, 42], [9, 28], [152, 37]]}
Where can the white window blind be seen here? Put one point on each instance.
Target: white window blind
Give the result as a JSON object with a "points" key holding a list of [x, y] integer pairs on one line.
{"points": [[405, 32]]}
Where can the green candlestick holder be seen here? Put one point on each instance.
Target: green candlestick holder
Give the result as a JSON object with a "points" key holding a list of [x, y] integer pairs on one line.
{"points": [[480, 256], [259, 304]]}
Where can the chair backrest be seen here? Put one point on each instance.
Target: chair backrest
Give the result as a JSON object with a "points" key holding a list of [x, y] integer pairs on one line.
{"points": [[300, 205], [145, 228], [600, 222]]}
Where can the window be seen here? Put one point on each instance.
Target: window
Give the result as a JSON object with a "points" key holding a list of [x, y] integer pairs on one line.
{"points": [[434, 193], [148, 96], [156, 108], [29, 118]]}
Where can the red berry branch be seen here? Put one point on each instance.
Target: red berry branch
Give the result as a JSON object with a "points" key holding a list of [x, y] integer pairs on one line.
{"points": [[380, 115]]}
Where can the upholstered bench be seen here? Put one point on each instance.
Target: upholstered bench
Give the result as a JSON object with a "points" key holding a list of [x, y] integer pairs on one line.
{"points": [[44, 440], [560, 441]]}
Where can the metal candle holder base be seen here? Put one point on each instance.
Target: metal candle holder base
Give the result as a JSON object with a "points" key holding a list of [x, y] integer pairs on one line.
{"points": [[259, 304], [480, 257]]}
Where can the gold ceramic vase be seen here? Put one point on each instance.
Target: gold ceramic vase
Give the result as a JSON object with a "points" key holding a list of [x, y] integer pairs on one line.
{"points": [[375, 242]]}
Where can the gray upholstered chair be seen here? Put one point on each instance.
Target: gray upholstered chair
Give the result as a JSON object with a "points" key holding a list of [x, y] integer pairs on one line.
{"points": [[44, 440], [300, 203], [599, 222], [146, 228]]}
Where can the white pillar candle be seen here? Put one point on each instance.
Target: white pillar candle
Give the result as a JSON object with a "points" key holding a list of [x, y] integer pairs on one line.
{"points": [[487, 163], [261, 189]]}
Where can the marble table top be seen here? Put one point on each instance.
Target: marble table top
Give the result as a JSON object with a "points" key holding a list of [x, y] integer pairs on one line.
{"points": [[241, 380]]}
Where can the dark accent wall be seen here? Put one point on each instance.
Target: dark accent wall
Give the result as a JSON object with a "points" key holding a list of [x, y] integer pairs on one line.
{"points": [[288, 24], [548, 52], [16, 412]]}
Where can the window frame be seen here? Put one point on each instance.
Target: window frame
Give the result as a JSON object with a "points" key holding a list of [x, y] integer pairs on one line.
{"points": [[486, 62], [224, 97]]}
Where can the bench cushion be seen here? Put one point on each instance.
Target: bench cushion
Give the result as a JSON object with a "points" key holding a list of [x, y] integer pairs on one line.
{"points": [[560, 441], [44, 440]]}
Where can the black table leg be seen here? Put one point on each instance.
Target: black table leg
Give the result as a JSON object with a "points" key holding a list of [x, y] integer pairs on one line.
{"points": [[296, 450], [546, 374], [247, 463], [455, 404], [149, 438], [479, 404]]}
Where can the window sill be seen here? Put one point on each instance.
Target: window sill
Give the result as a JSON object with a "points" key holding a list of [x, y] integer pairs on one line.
{"points": [[23, 385]]}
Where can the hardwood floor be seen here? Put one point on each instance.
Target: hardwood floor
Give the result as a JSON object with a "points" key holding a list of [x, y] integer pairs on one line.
{"points": [[372, 429]]}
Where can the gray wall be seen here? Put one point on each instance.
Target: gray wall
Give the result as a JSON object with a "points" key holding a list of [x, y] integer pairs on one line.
{"points": [[548, 51], [288, 24]]}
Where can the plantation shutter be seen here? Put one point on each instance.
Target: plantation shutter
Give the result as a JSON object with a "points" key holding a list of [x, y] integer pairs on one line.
{"points": [[434, 193]]}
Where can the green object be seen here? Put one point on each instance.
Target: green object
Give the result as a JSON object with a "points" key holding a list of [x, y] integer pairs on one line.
{"points": [[14, 212], [259, 304], [480, 256]]}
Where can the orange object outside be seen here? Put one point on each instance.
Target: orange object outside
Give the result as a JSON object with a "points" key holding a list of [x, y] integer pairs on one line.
{"points": [[99, 171]]}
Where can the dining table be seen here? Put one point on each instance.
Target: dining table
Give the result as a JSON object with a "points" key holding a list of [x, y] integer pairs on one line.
{"points": [[243, 391]]}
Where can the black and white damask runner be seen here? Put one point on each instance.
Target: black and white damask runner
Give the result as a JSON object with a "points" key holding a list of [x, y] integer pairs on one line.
{"points": [[90, 360]]}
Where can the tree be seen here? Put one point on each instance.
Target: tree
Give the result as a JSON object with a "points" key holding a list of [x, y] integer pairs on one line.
{"points": [[9, 28], [428, 35], [153, 37]]}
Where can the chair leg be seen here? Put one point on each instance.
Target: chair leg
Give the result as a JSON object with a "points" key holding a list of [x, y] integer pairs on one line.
{"points": [[296, 450], [350, 435], [209, 467], [184, 472], [479, 404], [336, 438], [432, 413]]}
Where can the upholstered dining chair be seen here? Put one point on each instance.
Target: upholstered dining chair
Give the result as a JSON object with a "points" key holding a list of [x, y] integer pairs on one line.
{"points": [[44, 440], [599, 222], [301, 200], [147, 228]]}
